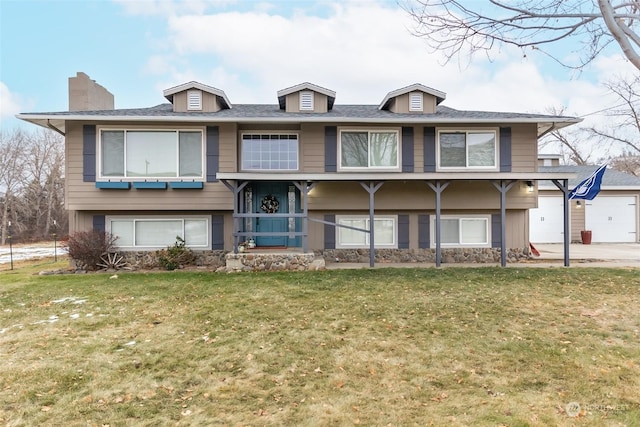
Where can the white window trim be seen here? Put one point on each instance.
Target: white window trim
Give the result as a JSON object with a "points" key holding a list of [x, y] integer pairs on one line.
{"points": [[206, 218], [101, 178], [241, 160], [194, 95], [496, 159], [486, 244], [419, 97], [311, 101], [394, 245], [396, 168]]}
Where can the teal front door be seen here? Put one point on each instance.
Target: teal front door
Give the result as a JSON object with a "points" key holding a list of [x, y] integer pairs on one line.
{"points": [[269, 198]]}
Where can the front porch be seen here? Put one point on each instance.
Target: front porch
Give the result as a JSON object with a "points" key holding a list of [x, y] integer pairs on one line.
{"points": [[294, 218]]}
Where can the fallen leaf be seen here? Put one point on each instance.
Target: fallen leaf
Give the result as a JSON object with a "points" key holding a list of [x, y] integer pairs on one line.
{"points": [[440, 398]]}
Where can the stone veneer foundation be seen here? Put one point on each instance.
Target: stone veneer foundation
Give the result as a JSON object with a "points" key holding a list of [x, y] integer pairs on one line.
{"points": [[449, 256], [296, 261], [281, 261]]}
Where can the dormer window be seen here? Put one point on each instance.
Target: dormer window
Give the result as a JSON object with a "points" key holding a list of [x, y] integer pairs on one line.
{"points": [[415, 101], [194, 100], [306, 101]]}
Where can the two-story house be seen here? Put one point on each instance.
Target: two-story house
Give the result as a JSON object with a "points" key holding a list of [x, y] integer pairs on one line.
{"points": [[410, 178]]}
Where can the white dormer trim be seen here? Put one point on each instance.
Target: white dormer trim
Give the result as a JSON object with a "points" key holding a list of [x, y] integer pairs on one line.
{"points": [[306, 100], [307, 86], [194, 100], [331, 95], [416, 87], [222, 97], [416, 101]]}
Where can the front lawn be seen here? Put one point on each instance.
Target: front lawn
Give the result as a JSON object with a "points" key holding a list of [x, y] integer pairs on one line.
{"points": [[447, 347]]}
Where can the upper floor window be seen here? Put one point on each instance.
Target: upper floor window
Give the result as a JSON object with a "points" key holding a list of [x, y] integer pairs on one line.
{"points": [[306, 101], [194, 100], [369, 149], [151, 154], [269, 152], [467, 149]]}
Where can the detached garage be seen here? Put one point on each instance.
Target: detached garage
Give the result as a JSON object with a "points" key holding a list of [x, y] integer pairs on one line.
{"points": [[612, 219], [613, 216], [546, 223]]}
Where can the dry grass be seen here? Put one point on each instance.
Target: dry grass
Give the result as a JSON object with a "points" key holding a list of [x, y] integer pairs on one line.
{"points": [[454, 347]]}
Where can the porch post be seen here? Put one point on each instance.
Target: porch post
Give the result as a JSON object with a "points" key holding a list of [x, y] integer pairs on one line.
{"points": [[438, 187], [236, 189], [371, 188], [503, 186], [563, 185], [304, 188]]}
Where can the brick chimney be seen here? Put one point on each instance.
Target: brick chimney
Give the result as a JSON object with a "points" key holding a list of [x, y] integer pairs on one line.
{"points": [[87, 95]]}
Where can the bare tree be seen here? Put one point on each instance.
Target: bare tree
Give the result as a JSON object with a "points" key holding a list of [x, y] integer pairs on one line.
{"points": [[45, 168], [627, 163], [32, 184], [568, 142], [624, 129], [12, 165], [458, 27]]}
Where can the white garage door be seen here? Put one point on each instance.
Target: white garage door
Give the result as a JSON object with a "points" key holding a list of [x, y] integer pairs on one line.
{"points": [[546, 222], [611, 219]]}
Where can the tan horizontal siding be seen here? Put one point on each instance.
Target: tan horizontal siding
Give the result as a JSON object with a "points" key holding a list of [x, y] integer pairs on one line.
{"points": [[471, 195], [229, 155], [215, 196], [312, 148], [524, 151]]}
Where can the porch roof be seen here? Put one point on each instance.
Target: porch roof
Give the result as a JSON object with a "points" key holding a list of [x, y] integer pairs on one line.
{"points": [[400, 176]]}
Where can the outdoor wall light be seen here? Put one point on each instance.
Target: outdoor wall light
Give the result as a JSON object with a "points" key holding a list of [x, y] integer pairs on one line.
{"points": [[578, 204], [529, 186]]}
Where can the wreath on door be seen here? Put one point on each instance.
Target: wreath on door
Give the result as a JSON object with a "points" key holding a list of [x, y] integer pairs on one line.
{"points": [[270, 204]]}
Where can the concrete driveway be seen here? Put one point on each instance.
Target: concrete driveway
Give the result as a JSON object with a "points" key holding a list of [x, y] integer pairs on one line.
{"points": [[611, 255], [605, 254]]}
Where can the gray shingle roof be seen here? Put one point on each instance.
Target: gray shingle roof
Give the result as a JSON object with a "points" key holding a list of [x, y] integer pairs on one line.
{"points": [[258, 111], [611, 178]]}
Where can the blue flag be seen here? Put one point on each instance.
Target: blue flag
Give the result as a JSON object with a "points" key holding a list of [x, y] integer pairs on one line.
{"points": [[590, 187]]}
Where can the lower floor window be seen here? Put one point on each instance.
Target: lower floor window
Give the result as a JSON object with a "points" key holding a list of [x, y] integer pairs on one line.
{"points": [[464, 231], [384, 228], [158, 232]]}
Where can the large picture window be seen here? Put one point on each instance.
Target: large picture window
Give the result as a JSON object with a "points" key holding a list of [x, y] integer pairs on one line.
{"points": [[463, 231], [151, 154], [158, 232], [467, 149], [369, 150], [385, 230], [269, 152]]}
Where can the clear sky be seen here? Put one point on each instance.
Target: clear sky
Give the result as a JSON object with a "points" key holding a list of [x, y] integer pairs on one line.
{"points": [[361, 49]]}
